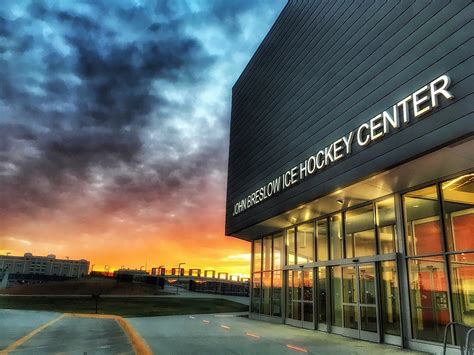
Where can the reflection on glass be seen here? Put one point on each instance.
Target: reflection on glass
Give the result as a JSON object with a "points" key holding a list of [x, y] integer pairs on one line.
{"points": [[335, 231], [256, 292], [349, 290], [368, 319], [336, 293], [458, 197], [322, 240], [266, 289], [294, 294], [390, 303], [290, 247], [360, 232], [257, 255], [386, 225], [322, 291], [276, 299], [350, 317], [423, 227], [308, 289], [367, 284], [308, 312], [278, 251], [308, 285], [305, 243], [289, 294], [428, 298], [267, 253], [462, 286]]}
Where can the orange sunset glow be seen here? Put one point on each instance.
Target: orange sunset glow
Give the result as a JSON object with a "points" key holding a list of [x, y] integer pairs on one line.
{"points": [[114, 130]]}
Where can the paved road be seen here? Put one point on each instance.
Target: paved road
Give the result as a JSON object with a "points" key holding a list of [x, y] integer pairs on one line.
{"points": [[224, 334]]}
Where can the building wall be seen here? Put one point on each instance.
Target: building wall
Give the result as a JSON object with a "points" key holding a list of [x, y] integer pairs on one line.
{"points": [[41, 265], [325, 68]]}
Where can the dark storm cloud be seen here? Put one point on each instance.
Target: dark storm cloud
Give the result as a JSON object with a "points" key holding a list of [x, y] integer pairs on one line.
{"points": [[100, 97]]}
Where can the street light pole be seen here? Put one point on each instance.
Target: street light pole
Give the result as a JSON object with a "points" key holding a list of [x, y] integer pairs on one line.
{"points": [[179, 275]]}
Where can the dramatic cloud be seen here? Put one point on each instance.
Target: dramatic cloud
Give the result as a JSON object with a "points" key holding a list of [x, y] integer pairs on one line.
{"points": [[114, 124]]}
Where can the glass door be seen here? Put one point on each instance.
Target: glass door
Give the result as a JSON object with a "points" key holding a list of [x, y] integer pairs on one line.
{"points": [[359, 301], [299, 300]]}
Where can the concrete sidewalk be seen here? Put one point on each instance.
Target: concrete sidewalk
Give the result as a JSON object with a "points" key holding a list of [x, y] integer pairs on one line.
{"points": [[230, 334]]}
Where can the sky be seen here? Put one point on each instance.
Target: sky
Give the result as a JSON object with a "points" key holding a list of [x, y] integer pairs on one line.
{"points": [[114, 126]]}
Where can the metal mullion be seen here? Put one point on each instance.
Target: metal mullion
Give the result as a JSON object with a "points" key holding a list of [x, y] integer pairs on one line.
{"points": [[343, 230], [271, 277], [402, 273], [376, 228], [252, 279], [445, 256]]}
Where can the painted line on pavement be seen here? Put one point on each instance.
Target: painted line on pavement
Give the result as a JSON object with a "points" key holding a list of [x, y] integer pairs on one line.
{"points": [[296, 348], [28, 336], [253, 335], [139, 345]]}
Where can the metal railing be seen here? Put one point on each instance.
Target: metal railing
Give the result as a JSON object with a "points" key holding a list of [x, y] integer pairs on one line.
{"points": [[462, 334]]}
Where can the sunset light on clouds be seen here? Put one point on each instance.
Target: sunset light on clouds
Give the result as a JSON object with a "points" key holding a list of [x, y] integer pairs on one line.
{"points": [[114, 123]]}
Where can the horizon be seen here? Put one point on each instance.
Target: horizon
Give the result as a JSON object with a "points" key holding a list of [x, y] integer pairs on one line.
{"points": [[114, 128]]}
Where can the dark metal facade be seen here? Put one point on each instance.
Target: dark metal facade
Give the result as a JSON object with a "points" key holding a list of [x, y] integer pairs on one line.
{"points": [[325, 68]]}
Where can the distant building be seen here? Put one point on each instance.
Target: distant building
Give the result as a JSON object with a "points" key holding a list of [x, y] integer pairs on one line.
{"points": [[29, 264]]}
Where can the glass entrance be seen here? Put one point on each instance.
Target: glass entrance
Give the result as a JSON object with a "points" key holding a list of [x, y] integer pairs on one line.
{"points": [[359, 301], [299, 301]]}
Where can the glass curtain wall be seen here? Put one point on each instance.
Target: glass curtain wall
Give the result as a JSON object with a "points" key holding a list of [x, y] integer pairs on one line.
{"points": [[360, 232], [277, 281], [266, 275], [305, 243], [386, 221], [268, 261], [256, 276], [439, 219]]}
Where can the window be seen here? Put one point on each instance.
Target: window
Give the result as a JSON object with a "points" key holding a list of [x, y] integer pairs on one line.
{"points": [[257, 255], [305, 243], [276, 294], [390, 302], [267, 275], [335, 232], [256, 292], [267, 253], [322, 247], [278, 251], [423, 226], [336, 304], [461, 267], [386, 225], [360, 232], [266, 292], [428, 297], [322, 292], [290, 247], [458, 199]]}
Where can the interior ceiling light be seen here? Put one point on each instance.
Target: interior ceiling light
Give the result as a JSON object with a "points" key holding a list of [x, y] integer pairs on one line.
{"points": [[340, 202]]}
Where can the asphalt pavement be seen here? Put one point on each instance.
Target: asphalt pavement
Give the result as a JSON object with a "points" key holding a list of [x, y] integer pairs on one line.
{"points": [[50, 333]]}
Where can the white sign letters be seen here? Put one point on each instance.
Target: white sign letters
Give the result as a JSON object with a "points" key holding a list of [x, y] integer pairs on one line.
{"points": [[421, 102]]}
